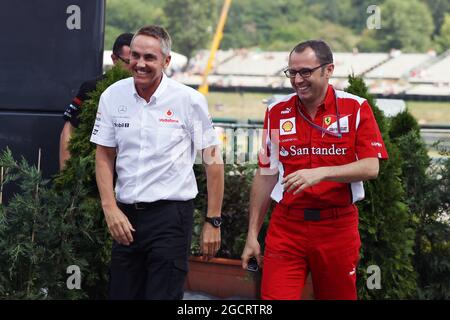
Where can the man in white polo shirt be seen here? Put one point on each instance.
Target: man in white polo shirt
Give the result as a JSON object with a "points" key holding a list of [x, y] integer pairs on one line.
{"points": [[155, 126]]}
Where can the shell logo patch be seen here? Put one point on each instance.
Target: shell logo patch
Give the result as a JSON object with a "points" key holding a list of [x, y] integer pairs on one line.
{"points": [[287, 126]]}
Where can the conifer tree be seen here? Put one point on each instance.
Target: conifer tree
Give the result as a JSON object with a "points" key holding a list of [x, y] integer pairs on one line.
{"points": [[427, 189], [386, 231]]}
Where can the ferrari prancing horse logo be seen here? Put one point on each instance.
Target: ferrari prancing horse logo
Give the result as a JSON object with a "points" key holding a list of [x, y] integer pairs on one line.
{"points": [[327, 120]]}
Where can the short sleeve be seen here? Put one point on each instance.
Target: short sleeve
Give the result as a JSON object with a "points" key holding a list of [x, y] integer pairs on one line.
{"points": [[369, 143], [201, 125], [73, 109], [103, 132]]}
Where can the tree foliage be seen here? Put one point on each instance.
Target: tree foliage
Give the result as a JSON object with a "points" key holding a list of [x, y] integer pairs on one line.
{"points": [[439, 9], [191, 24], [43, 232], [385, 223], [279, 25], [427, 188], [443, 39], [405, 25], [128, 16]]}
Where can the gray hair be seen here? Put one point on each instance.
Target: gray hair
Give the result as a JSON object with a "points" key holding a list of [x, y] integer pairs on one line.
{"points": [[158, 33]]}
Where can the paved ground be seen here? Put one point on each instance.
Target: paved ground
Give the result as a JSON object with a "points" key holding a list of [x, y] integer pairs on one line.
{"points": [[191, 295]]}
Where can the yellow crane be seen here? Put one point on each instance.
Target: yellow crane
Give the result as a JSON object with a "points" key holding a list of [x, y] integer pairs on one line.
{"points": [[215, 45]]}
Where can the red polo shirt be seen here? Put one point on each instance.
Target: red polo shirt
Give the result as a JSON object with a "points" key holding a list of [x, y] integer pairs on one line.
{"points": [[291, 143]]}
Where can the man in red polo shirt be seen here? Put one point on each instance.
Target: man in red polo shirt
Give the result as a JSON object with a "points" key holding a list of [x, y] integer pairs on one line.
{"points": [[319, 144]]}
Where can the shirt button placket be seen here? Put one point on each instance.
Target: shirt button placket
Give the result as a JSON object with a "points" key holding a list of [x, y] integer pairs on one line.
{"points": [[143, 138]]}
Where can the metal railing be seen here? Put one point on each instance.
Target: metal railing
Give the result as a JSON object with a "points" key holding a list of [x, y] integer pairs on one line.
{"points": [[241, 141]]}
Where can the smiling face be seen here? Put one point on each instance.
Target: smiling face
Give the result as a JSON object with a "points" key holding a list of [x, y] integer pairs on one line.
{"points": [[147, 63], [311, 90]]}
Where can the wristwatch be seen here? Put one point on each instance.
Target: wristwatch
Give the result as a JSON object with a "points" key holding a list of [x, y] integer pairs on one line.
{"points": [[215, 221]]}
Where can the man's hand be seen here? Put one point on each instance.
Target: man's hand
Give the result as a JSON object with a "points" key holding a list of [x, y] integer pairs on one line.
{"points": [[304, 178], [210, 241], [119, 226], [251, 249]]}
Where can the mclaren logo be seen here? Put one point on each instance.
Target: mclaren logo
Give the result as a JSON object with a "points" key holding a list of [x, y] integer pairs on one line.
{"points": [[122, 109]]}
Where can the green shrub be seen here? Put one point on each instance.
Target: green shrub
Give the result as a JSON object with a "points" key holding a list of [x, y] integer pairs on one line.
{"points": [[238, 180], [44, 229], [427, 189], [41, 234], [386, 230]]}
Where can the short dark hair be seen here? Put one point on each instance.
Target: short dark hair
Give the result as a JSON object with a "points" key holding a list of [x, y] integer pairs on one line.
{"points": [[159, 33], [320, 48], [123, 40]]}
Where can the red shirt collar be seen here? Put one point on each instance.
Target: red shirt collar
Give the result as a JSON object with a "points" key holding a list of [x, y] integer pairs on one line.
{"points": [[330, 98], [327, 103]]}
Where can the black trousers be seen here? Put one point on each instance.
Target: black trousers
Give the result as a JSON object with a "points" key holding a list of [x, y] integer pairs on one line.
{"points": [[155, 264]]}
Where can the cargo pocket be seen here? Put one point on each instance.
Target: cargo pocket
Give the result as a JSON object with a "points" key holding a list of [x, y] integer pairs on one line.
{"points": [[177, 279]]}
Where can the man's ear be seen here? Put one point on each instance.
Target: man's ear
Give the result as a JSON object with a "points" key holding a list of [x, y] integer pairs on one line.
{"points": [[167, 60], [114, 58], [329, 70]]}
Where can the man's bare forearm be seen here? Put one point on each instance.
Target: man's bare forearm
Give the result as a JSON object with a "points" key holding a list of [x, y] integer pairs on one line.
{"points": [[361, 170], [215, 185], [64, 139], [104, 171]]}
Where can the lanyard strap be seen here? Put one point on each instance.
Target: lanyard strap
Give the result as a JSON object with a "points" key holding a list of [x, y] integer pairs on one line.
{"points": [[321, 129]]}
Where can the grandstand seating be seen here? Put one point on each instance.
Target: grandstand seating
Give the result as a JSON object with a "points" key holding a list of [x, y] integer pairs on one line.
{"points": [[351, 63], [398, 67], [386, 74]]}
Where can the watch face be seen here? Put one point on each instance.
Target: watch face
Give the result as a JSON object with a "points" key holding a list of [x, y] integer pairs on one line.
{"points": [[216, 222]]}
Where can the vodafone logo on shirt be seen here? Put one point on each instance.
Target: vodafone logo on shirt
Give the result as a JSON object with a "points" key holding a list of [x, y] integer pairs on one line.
{"points": [[287, 126], [168, 115]]}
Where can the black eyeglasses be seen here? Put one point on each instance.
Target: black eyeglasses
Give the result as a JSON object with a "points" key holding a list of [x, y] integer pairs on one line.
{"points": [[304, 73], [126, 61]]}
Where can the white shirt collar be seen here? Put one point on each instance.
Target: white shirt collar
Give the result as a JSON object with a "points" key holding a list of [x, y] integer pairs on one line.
{"points": [[159, 91]]}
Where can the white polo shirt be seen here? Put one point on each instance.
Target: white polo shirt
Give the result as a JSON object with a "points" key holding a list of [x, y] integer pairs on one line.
{"points": [[157, 141]]}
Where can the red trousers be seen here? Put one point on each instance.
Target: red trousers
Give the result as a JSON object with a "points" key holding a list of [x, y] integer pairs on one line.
{"points": [[328, 248]]}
